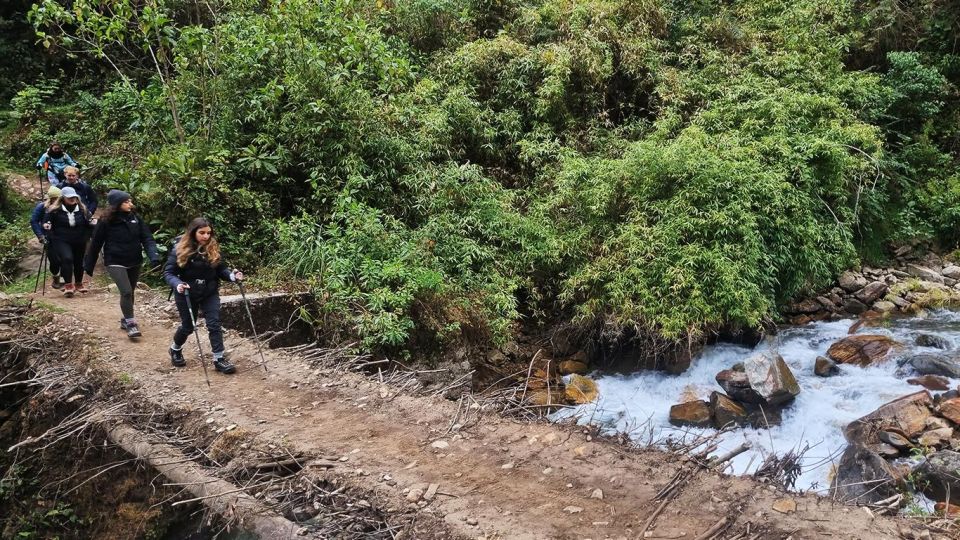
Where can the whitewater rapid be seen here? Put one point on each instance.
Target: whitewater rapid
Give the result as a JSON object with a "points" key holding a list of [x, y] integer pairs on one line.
{"points": [[639, 403]]}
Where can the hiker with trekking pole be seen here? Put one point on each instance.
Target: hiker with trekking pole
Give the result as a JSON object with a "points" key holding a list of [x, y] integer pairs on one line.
{"points": [[194, 270], [68, 226], [123, 236], [36, 223]]}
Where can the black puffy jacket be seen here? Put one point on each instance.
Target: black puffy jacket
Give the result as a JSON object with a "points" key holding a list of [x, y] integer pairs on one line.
{"points": [[60, 228], [123, 237], [202, 277]]}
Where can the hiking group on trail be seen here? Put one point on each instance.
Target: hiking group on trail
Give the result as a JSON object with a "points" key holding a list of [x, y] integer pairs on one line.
{"points": [[73, 238]]}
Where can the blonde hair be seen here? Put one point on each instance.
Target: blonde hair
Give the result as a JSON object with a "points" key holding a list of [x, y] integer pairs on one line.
{"points": [[59, 203], [188, 244], [70, 169]]}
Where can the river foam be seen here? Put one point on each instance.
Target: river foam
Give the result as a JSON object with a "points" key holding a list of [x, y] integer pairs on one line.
{"points": [[639, 403]]}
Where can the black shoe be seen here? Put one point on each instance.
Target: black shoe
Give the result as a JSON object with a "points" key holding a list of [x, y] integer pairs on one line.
{"points": [[57, 282], [133, 330], [176, 358], [123, 324], [223, 366]]}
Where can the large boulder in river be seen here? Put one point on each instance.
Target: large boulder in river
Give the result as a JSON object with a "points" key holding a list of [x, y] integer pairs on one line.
{"points": [[863, 349], [906, 415], [872, 292], [939, 477], [825, 367], [771, 378], [691, 413], [762, 379], [935, 364], [863, 477]]}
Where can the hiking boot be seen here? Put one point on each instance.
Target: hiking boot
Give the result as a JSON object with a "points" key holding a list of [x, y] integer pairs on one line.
{"points": [[68, 290], [57, 282], [82, 288], [223, 365], [133, 330], [176, 358], [123, 324]]}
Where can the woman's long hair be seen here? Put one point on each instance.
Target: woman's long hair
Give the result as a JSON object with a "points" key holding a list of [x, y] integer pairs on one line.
{"points": [[188, 244], [59, 204]]}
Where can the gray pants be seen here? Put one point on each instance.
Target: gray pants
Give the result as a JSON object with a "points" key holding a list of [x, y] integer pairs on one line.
{"points": [[126, 280]]}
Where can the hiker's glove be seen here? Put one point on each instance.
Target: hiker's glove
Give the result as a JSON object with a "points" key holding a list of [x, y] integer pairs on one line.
{"points": [[46, 226], [237, 275], [182, 287]]}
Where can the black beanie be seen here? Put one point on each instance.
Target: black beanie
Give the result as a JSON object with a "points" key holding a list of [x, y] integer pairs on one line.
{"points": [[116, 197]]}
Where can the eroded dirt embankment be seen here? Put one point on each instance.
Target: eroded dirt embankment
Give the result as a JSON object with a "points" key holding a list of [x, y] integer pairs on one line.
{"points": [[423, 466]]}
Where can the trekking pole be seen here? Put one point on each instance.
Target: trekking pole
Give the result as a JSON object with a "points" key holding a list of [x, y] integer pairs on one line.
{"points": [[46, 259], [256, 336], [193, 321], [43, 256], [40, 174]]}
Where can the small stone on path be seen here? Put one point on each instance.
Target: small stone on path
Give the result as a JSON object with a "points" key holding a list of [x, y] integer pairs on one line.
{"points": [[573, 509], [785, 506], [597, 494], [440, 445]]}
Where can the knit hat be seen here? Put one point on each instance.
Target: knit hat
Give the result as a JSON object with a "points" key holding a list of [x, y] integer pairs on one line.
{"points": [[68, 192], [53, 192], [116, 197]]}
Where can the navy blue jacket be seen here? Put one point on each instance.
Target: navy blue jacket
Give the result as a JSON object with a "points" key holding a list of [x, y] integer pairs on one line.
{"points": [[36, 220], [86, 193]]}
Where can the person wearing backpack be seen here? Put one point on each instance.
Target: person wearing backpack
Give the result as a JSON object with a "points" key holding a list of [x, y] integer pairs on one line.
{"points": [[123, 236], [68, 224], [87, 195], [54, 161], [194, 269], [36, 223]]}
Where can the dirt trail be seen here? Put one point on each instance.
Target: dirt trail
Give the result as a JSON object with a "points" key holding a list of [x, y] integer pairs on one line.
{"points": [[498, 478]]}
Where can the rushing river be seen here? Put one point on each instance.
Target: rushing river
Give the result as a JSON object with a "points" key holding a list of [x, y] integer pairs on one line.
{"points": [[640, 403]]}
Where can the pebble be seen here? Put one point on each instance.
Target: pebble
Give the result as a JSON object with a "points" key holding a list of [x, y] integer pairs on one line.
{"points": [[597, 494], [440, 445], [573, 509], [472, 522], [507, 465]]}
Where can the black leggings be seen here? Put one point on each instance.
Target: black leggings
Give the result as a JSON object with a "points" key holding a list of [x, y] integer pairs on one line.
{"points": [[71, 259], [209, 306]]}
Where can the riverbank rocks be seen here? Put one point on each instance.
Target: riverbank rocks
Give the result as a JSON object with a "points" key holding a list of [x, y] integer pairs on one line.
{"points": [[931, 382], [932, 341], [727, 411], [864, 477], [762, 379], [863, 349], [939, 475], [825, 367], [935, 364], [692, 413], [912, 284], [906, 416]]}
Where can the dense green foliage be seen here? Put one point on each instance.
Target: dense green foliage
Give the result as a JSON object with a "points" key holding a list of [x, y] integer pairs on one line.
{"points": [[435, 168]]}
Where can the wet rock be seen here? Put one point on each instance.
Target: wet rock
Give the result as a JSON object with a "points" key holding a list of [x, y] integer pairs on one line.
{"points": [[763, 417], [950, 409], [851, 281], [862, 350], [872, 292], [935, 422], [906, 415], [827, 303], [863, 477], [935, 437], [771, 378], [569, 367], [930, 340], [924, 273], [883, 306], [935, 364], [895, 440], [726, 411], [931, 382], [825, 367], [737, 385], [581, 390], [692, 413], [807, 306], [886, 451], [939, 475], [951, 271], [854, 306]]}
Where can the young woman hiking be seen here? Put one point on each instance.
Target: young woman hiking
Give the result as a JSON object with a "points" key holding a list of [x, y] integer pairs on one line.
{"points": [[194, 270], [36, 223], [123, 236], [68, 225]]}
